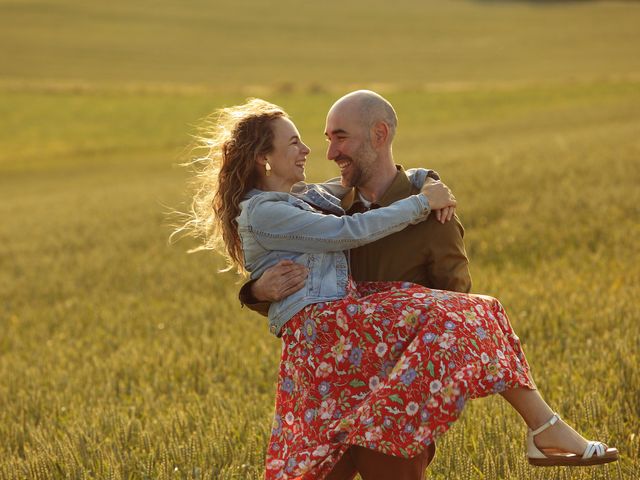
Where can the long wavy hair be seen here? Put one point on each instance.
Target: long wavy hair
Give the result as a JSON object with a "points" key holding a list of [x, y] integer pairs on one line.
{"points": [[233, 139]]}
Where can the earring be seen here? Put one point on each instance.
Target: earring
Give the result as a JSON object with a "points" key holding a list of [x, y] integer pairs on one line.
{"points": [[267, 167]]}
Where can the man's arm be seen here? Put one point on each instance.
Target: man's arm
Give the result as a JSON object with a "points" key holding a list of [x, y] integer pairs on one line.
{"points": [[447, 263], [277, 282], [248, 300]]}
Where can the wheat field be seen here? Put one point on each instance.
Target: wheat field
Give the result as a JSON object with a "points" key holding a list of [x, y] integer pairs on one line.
{"points": [[124, 357]]}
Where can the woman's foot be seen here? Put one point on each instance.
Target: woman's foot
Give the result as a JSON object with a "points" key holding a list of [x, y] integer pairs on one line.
{"points": [[555, 443], [561, 436]]}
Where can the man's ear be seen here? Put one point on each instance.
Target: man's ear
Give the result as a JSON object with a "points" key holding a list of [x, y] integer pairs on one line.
{"points": [[379, 134]]}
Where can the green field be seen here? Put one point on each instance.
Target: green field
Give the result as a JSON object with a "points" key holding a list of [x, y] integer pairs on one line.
{"points": [[123, 357]]}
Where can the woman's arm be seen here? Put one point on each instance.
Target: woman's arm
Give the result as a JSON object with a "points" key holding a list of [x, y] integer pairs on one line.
{"points": [[294, 226]]}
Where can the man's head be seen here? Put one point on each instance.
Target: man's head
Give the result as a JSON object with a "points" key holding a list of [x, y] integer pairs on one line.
{"points": [[360, 128]]}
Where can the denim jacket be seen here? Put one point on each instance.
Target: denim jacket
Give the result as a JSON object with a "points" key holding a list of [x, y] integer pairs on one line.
{"points": [[308, 226]]}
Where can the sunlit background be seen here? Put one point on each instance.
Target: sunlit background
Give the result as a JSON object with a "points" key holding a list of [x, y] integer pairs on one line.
{"points": [[123, 357]]}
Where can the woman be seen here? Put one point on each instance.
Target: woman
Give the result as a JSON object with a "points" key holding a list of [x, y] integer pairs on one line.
{"points": [[386, 366]]}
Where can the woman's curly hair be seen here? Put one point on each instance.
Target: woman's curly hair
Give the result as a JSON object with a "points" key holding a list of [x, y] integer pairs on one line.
{"points": [[232, 138]]}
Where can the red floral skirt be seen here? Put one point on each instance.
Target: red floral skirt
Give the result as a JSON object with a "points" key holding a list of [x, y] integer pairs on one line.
{"points": [[389, 367]]}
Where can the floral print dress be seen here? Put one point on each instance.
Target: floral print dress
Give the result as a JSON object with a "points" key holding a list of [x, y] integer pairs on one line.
{"points": [[389, 367]]}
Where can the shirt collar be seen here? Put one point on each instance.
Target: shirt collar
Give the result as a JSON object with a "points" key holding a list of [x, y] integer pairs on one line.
{"points": [[401, 187]]}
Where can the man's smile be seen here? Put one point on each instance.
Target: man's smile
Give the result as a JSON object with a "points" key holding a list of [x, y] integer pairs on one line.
{"points": [[343, 163]]}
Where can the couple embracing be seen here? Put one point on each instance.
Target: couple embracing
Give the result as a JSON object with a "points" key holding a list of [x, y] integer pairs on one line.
{"points": [[365, 279]]}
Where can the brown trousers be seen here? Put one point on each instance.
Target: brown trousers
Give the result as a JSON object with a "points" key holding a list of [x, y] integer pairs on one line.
{"points": [[372, 465]]}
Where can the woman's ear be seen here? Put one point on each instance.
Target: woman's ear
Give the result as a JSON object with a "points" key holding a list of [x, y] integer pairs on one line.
{"points": [[262, 163], [261, 160]]}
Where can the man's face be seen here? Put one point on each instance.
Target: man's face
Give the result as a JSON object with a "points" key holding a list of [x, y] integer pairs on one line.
{"points": [[350, 147]]}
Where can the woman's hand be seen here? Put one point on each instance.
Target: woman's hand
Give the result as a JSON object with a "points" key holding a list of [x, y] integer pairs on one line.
{"points": [[439, 196], [445, 214]]}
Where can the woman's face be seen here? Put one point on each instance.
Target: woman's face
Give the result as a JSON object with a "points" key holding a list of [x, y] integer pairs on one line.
{"points": [[289, 154]]}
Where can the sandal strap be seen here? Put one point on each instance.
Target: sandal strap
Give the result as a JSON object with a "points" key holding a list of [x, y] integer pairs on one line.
{"points": [[598, 448], [546, 425]]}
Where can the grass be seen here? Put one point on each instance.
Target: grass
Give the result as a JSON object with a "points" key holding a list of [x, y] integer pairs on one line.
{"points": [[123, 357], [318, 44]]}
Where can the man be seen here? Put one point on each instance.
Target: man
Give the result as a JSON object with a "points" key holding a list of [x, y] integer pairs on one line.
{"points": [[360, 129]]}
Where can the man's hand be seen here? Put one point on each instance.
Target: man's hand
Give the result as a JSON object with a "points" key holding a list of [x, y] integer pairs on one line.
{"points": [[279, 281], [439, 196]]}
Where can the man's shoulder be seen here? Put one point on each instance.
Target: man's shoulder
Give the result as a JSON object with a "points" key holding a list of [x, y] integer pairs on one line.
{"points": [[406, 182], [440, 232]]}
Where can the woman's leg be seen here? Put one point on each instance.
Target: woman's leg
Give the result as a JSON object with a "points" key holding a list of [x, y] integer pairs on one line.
{"points": [[535, 412]]}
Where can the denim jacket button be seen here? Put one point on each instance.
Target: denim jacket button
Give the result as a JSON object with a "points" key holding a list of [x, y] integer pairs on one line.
{"points": [[272, 329]]}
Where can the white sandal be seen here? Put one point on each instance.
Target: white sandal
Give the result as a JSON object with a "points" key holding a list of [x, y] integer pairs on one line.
{"points": [[595, 453]]}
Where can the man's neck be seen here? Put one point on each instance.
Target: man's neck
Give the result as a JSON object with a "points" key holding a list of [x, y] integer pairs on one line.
{"points": [[379, 182]]}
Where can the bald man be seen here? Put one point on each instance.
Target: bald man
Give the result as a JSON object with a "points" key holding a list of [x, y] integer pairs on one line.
{"points": [[360, 129]]}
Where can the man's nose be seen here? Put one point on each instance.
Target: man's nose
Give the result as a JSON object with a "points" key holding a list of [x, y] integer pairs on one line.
{"points": [[332, 152]]}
